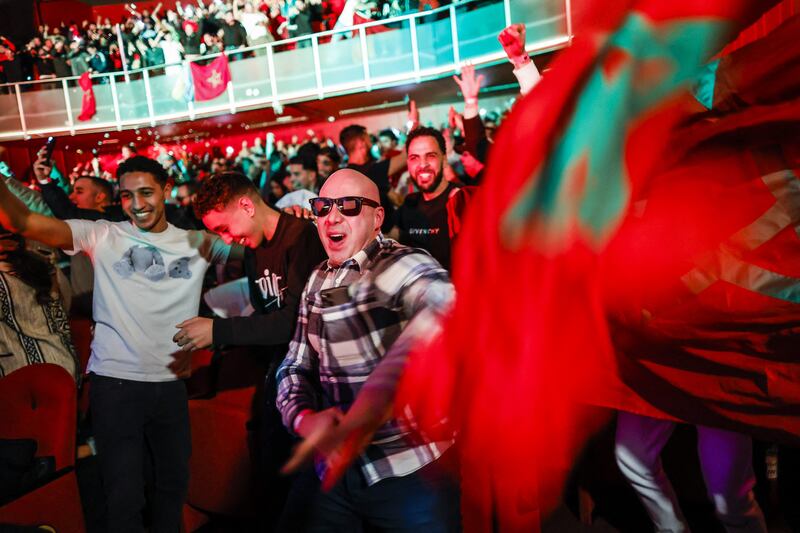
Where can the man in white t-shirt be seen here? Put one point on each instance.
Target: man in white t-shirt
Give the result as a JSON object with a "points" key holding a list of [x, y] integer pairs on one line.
{"points": [[148, 277], [255, 24]]}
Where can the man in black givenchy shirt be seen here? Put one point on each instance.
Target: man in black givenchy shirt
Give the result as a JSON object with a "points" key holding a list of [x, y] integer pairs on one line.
{"points": [[430, 218]]}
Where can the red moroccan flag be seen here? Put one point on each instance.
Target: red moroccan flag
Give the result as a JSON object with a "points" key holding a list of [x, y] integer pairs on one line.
{"points": [[709, 269], [88, 104], [210, 80], [567, 249]]}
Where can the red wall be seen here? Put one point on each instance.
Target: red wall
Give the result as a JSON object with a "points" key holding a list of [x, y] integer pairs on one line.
{"points": [[55, 12], [58, 11], [117, 12]]}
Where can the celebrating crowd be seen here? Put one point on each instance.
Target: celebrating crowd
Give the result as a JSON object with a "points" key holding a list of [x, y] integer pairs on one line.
{"points": [[165, 36], [367, 193], [328, 263]]}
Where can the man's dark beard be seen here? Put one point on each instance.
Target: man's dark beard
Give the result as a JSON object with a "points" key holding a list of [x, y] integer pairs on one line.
{"points": [[437, 179]]}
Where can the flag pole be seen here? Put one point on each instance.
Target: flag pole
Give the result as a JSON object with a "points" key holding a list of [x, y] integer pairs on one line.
{"points": [[122, 53]]}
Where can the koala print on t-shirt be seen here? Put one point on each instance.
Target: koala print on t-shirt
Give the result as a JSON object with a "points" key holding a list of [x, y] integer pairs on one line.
{"points": [[180, 268], [148, 262]]}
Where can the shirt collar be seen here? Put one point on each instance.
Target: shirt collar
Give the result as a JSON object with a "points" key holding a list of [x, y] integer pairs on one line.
{"points": [[364, 256]]}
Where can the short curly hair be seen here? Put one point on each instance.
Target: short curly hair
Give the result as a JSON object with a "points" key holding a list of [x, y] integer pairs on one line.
{"points": [[349, 135], [140, 163], [425, 131], [220, 190]]}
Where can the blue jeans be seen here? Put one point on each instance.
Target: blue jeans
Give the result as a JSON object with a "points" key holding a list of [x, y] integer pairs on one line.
{"points": [[129, 417], [426, 500]]}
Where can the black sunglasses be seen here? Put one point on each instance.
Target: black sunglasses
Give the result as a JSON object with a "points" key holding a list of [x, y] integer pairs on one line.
{"points": [[349, 206]]}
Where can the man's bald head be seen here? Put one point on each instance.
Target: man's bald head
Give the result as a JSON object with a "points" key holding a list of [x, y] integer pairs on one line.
{"points": [[349, 182], [344, 236]]}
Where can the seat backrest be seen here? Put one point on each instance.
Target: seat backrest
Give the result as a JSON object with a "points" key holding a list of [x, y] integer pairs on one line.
{"points": [[40, 402], [81, 329]]}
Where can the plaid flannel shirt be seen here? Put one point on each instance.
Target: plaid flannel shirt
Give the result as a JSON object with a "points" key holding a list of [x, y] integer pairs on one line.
{"points": [[338, 345]]}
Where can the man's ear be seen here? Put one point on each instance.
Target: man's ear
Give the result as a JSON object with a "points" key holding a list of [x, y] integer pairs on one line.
{"points": [[246, 204], [167, 190], [379, 216]]}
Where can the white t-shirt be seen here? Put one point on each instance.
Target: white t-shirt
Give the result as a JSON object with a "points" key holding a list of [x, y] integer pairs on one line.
{"points": [[254, 25], [144, 284], [299, 197], [172, 52]]}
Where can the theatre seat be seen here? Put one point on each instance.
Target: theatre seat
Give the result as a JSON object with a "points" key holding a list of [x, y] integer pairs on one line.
{"points": [[81, 330], [221, 469], [222, 474], [39, 402]]}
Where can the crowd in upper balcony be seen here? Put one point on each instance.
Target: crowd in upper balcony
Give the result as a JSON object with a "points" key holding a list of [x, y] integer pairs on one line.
{"points": [[144, 38]]}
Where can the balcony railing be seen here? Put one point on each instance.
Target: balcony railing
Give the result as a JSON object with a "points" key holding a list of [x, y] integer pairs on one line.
{"points": [[410, 48]]}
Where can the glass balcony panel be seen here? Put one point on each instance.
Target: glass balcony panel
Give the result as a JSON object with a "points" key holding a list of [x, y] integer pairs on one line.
{"points": [[44, 106], [132, 98], [478, 27], [9, 112], [546, 19], [340, 60], [221, 100], [295, 71], [168, 90], [435, 41], [250, 77], [389, 51]]}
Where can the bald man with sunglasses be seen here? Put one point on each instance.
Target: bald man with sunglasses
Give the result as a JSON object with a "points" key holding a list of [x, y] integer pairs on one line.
{"points": [[354, 308]]}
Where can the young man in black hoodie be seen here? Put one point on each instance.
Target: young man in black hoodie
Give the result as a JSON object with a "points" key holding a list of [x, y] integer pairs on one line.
{"points": [[281, 251]]}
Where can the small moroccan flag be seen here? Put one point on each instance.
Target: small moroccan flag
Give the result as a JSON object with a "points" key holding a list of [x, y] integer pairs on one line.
{"points": [[88, 103], [210, 80]]}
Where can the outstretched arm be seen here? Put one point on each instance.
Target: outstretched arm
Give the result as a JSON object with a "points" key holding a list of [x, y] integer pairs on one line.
{"points": [[398, 163], [513, 40], [17, 218], [470, 86], [32, 199]]}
